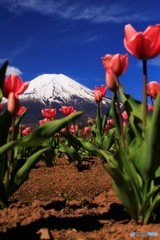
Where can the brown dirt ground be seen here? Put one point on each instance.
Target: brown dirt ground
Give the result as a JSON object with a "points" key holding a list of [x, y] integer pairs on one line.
{"points": [[62, 203]]}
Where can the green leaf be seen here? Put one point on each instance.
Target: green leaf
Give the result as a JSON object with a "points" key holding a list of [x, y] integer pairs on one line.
{"points": [[107, 140], [69, 151], [151, 160], [124, 191], [23, 172], [114, 114], [133, 107]]}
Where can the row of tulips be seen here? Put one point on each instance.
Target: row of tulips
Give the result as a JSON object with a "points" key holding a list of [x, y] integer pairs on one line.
{"points": [[21, 148]]}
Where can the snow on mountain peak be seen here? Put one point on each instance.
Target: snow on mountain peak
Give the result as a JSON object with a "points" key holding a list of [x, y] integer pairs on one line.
{"points": [[57, 87]]}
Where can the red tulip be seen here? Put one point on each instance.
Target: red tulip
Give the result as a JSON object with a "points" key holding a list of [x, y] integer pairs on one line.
{"points": [[150, 108], [153, 88], [26, 131], [14, 83], [102, 89], [86, 131], [143, 45], [49, 113], [117, 63], [1, 106], [66, 110]]}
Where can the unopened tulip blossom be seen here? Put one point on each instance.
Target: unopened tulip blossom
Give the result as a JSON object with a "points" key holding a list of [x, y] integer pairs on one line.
{"points": [[13, 104], [111, 80], [143, 45], [98, 96]]}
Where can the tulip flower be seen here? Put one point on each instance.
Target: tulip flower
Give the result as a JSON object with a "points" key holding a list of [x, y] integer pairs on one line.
{"points": [[49, 113], [66, 110], [26, 131], [14, 83], [41, 122], [150, 108], [153, 88], [125, 116], [86, 131], [1, 106], [102, 89], [117, 63], [98, 96], [143, 45], [13, 104], [111, 80]]}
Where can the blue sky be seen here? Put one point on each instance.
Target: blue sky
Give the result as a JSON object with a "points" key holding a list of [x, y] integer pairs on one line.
{"points": [[71, 36]]}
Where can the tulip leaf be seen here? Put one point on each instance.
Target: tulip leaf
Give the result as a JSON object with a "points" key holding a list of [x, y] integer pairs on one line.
{"points": [[151, 160], [2, 74], [133, 107], [114, 114], [124, 191], [23, 172], [5, 124]]}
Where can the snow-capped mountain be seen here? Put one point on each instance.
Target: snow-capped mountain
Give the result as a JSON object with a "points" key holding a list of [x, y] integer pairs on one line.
{"points": [[57, 90]]}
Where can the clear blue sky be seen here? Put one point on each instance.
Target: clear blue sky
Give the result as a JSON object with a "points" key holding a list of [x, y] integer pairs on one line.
{"points": [[71, 36]]}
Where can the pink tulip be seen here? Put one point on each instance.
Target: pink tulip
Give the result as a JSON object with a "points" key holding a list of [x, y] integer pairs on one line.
{"points": [[117, 63], [86, 131], [41, 122], [14, 84], [153, 88], [98, 96], [125, 116], [111, 80], [143, 45]]}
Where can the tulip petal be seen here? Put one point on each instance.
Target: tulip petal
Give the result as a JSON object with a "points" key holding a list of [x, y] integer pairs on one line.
{"points": [[138, 45], [153, 33], [129, 32], [23, 88]]}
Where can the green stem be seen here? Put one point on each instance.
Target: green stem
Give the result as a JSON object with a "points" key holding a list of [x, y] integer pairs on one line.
{"points": [[99, 123], [144, 93], [120, 119]]}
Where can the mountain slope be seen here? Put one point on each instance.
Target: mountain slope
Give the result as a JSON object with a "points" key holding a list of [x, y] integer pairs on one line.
{"points": [[55, 91]]}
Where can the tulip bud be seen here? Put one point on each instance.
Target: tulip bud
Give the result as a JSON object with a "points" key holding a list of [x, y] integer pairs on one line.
{"points": [[111, 80], [13, 103], [98, 95]]}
